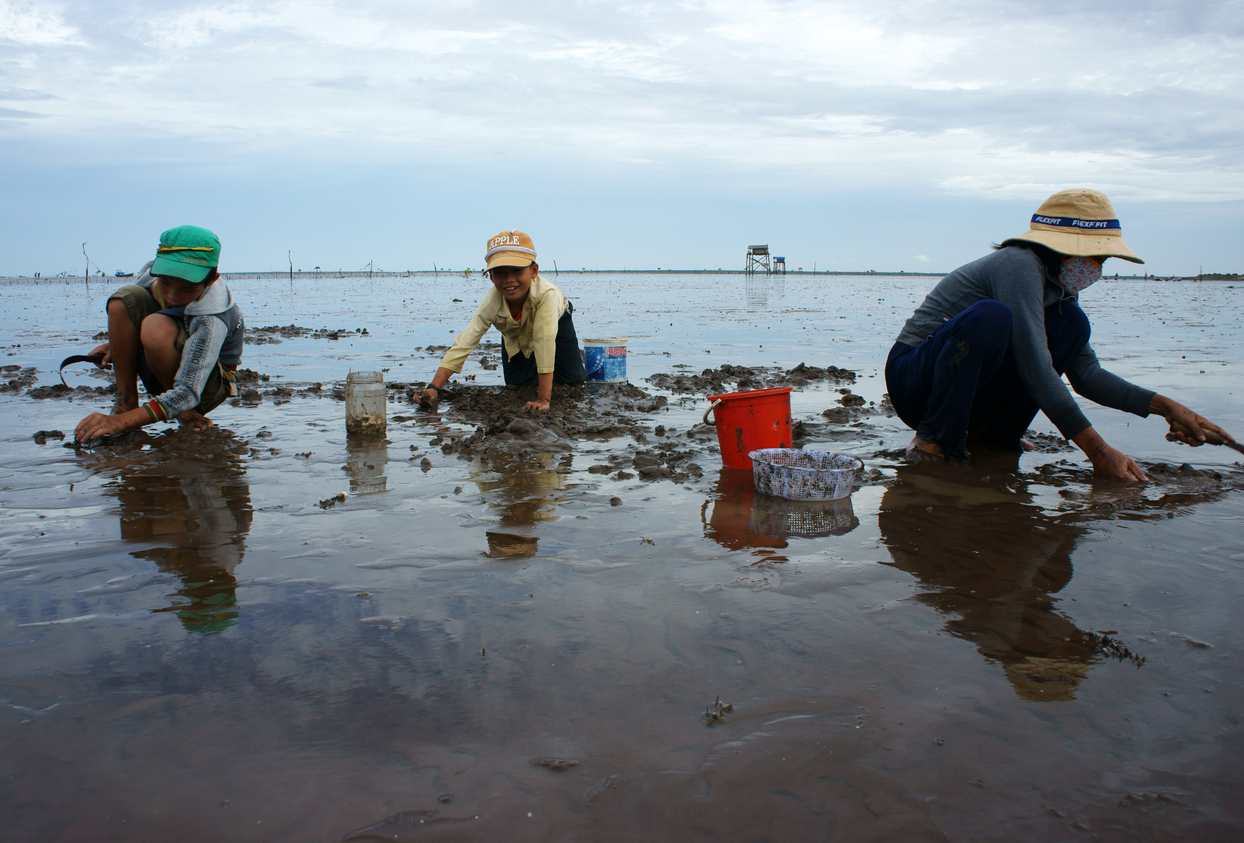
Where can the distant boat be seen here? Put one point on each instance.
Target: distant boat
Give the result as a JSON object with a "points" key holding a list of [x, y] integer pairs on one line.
{"points": [[121, 274]]}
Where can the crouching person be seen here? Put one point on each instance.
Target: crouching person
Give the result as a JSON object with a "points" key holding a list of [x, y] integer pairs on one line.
{"points": [[179, 330], [539, 345]]}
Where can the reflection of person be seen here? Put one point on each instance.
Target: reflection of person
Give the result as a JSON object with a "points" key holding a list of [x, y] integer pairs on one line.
{"points": [[196, 522], [525, 488], [539, 345], [989, 345], [958, 540], [179, 330]]}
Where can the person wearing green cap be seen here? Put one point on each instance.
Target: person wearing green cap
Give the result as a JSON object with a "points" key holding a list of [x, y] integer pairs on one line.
{"points": [[177, 329]]}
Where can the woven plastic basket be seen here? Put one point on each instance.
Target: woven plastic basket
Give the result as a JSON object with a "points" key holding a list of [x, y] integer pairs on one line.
{"points": [[781, 518], [803, 475]]}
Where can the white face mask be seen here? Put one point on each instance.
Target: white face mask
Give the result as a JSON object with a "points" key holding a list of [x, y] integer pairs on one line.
{"points": [[1077, 274]]}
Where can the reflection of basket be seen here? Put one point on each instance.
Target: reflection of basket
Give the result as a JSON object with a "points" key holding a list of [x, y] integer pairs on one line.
{"points": [[803, 475], [806, 519]]}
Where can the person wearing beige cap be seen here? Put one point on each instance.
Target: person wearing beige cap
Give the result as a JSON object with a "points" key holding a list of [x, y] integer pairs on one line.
{"points": [[989, 345], [539, 346]]}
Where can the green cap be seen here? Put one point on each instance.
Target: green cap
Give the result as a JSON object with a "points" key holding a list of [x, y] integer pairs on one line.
{"points": [[187, 252]]}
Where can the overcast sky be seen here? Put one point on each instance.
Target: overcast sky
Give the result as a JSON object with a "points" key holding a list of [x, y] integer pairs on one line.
{"points": [[888, 135]]}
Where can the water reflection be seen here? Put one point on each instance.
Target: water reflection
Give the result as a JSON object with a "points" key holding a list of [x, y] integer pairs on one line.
{"points": [[366, 459], [740, 518], [193, 504], [990, 560], [524, 487]]}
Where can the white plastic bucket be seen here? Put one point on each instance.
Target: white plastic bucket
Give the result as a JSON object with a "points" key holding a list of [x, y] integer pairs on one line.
{"points": [[605, 359], [366, 404]]}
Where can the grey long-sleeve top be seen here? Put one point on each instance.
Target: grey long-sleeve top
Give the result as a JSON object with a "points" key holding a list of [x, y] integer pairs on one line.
{"points": [[1014, 276], [216, 333]]}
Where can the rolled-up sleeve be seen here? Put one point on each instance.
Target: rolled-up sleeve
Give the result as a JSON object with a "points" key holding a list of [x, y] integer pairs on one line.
{"points": [[468, 340]]}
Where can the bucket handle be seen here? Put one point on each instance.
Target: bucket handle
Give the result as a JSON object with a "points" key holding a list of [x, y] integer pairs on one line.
{"points": [[709, 410]]}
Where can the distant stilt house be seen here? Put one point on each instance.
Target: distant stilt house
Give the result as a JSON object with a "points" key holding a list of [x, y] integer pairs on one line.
{"points": [[779, 265], [757, 259]]}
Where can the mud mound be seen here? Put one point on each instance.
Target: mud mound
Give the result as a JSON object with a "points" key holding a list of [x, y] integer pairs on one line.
{"points": [[278, 333], [1048, 443], [59, 390], [18, 378], [730, 378], [577, 412]]}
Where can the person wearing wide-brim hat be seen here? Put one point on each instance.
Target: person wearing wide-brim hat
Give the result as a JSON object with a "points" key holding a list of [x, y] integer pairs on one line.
{"points": [[539, 346], [177, 328], [988, 346]]}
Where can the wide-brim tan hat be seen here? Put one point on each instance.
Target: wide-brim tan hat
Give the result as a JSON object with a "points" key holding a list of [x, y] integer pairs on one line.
{"points": [[1078, 222], [510, 248]]}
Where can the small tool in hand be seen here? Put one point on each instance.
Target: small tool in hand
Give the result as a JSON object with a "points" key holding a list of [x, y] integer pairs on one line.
{"points": [[80, 358]]}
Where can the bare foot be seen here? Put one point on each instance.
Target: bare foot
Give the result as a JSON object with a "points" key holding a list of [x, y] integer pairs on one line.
{"points": [[194, 420], [920, 450]]}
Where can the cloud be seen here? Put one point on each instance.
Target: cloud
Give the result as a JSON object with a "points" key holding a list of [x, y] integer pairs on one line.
{"points": [[968, 97], [922, 258], [34, 24], [959, 99]]}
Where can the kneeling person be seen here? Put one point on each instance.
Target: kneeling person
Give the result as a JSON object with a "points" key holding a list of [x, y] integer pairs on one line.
{"points": [[179, 330], [539, 345]]}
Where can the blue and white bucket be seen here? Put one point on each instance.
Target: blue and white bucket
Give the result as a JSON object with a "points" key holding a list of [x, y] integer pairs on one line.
{"points": [[605, 359]]}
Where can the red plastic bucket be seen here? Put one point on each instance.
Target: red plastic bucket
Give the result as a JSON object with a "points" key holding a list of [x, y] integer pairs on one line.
{"points": [[748, 421]]}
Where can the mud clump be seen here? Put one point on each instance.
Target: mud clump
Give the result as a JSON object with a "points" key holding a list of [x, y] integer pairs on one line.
{"points": [[731, 378], [43, 436], [665, 461], [1047, 443], [329, 503], [18, 378], [251, 376], [716, 713], [59, 390], [279, 333], [803, 374]]}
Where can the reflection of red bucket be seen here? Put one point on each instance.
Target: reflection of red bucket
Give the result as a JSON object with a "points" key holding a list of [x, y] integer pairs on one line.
{"points": [[748, 421], [729, 522]]}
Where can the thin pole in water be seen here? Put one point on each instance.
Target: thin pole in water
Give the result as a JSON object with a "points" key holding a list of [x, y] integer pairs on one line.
{"points": [[435, 271], [290, 254], [86, 274]]}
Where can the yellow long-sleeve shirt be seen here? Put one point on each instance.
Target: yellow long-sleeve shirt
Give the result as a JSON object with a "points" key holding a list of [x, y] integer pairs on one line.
{"points": [[534, 332]]}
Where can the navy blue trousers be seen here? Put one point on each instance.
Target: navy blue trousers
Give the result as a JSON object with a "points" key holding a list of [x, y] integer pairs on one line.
{"points": [[520, 370], [964, 378]]}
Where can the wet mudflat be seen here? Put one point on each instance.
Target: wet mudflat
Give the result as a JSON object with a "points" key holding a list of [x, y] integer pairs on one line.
{"points": [[579, 626]]}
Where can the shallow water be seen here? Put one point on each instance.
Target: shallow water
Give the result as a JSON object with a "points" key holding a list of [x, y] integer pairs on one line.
{"points": [[198, 640]]}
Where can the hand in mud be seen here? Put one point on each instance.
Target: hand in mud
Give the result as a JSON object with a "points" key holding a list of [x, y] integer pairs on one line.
{"points": [[194, 420], [538, 404], [428, 398], [1111, 462], [96, 425], [106, 350]]}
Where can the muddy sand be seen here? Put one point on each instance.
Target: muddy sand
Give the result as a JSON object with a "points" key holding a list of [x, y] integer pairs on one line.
{"points": [[492, 622]]}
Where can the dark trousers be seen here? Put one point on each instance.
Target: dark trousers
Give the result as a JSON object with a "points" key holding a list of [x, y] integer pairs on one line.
{"points": [[520, 370], [964, 377]]}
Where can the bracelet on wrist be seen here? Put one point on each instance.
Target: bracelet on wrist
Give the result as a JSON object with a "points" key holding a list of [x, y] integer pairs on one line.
{"points": [[430, 386]]}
